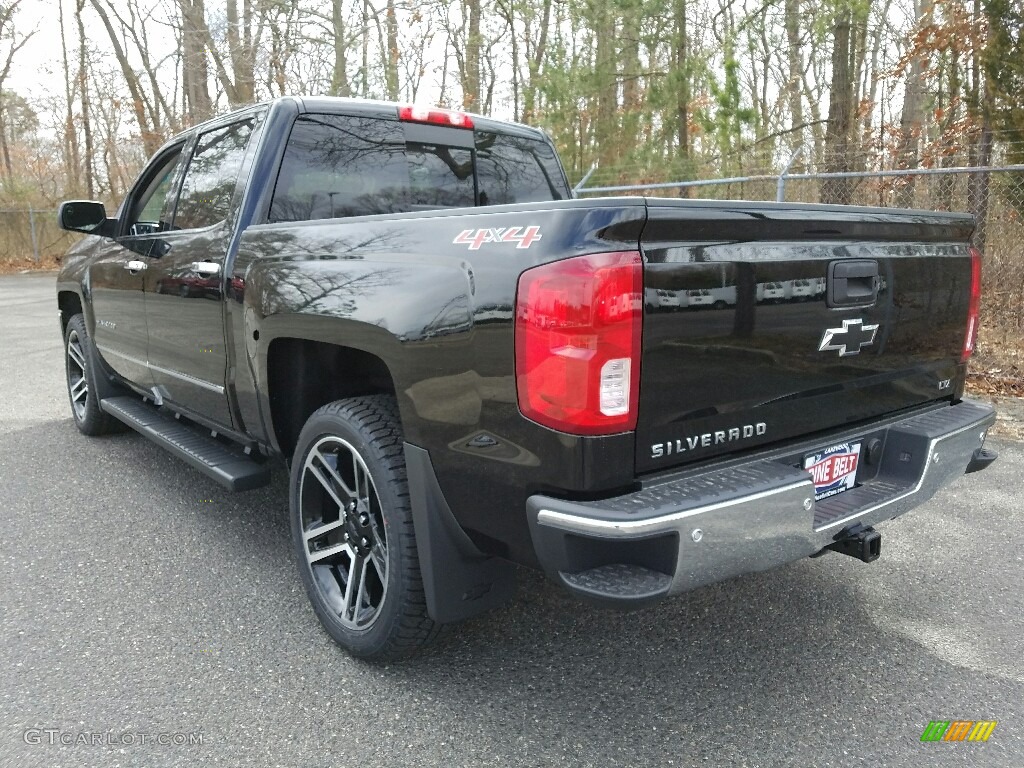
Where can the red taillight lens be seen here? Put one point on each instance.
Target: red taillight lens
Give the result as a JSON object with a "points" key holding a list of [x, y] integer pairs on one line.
{"points": [[974, 308], [577, 338], [445, 117]]}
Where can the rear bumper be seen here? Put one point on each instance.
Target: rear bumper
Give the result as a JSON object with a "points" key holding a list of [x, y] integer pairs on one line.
{"points": [[694, 528]]}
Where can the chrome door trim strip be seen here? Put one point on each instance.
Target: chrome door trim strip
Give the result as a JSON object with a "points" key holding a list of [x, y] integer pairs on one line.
{"points": [[190, 379], [175, 374]]}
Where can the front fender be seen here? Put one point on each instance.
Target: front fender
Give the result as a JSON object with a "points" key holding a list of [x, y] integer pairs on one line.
{"points": [[73, 277]]}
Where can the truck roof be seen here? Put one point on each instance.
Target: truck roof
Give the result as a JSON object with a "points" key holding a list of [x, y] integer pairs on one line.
{"points": [[369, 108]]}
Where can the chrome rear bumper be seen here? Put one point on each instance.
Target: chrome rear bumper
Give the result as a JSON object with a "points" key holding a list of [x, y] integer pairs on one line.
{"points": [[686, 530]]}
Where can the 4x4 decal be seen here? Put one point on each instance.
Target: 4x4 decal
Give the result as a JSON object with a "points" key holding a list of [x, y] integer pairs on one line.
{"points": [[523, 237]]}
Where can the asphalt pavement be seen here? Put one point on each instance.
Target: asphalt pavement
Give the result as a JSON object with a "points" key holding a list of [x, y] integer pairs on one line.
{"points": [[142, 606]]}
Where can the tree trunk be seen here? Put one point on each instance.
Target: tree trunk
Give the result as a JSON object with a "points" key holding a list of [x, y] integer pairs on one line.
{"points": [[630, 123], [516, 73], [195, 72], [7, 11], [914, 106], [339, 78], [536, 63], [871, 90], [83, 90], [391, 65], [607, 90], [4, 148], [837, 134], [241, 69], [72, 161], [978, 184], [794, 96], [471, 76], [682, 72], [947, 183]]}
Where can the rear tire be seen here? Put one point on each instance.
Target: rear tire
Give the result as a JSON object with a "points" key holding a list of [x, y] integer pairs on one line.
{"points": [[83, 387], [352, 529]]}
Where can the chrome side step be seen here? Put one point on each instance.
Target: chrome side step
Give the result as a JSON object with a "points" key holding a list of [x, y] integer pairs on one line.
{"points": [[234, 470]]}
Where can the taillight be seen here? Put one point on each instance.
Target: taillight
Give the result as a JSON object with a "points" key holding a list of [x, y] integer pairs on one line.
{"points": [[577, 339], [974, 308], [446, 117]]}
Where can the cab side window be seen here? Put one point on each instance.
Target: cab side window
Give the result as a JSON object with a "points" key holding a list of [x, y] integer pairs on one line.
{"points": [[212, 176], [151, 211], [337, 165]]}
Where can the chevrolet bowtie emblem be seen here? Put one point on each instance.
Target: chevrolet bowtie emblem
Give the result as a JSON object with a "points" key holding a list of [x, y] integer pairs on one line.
{"points": [[849, 339]]}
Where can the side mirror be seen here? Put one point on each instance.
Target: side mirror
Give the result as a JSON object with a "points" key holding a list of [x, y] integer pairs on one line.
{"points": [[86, 216]]}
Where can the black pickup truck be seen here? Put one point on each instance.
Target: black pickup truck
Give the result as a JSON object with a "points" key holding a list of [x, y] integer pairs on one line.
{"points": [[465, 368]]}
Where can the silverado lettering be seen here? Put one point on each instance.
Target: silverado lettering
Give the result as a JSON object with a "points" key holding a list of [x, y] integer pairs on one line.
{"points": [[708, 439], [462, 369]]}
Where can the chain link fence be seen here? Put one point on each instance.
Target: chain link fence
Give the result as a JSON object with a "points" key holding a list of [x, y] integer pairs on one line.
{"points": [[995, 195], [31, 235]]}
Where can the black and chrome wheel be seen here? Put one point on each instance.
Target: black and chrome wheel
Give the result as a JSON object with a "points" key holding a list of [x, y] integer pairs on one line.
{"points": [[78, 384], [352, 529], [346, 544], [83, 391]]}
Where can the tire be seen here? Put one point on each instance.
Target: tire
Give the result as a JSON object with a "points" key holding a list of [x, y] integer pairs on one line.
{"points": [[83, 387], [350, 452]]}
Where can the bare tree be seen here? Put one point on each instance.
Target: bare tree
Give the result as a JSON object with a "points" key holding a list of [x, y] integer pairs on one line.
{"points": [[392, 52], [72, 160], [148, 107], [195, 73], [339, 78], [794, 93], [842, 93], [682, 63], [83, 92], [11, 41], [914, 104], [471, 70]]}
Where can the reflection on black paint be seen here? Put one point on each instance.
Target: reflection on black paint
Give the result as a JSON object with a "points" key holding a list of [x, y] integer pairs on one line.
{"points": [[513, 169], [189, 285], [212, 176], [338, 166]]}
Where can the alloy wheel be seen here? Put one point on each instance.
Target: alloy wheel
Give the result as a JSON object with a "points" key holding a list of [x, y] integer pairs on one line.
{"points": [[343, 532], [78, 381]]}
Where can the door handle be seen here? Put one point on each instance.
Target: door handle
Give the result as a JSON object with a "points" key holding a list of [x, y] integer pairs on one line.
{"points": [[135, 266], [205, 267]]}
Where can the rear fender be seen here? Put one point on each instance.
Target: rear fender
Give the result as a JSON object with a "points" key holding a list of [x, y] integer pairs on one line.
{"points": [[401, 311]]}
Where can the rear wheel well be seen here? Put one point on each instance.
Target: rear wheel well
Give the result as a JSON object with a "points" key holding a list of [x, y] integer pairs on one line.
{"points": [[303, 375], [70, 305]]}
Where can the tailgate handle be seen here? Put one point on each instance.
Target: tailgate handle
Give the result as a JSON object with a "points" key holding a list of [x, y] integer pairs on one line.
{"points": [[852, 283]]}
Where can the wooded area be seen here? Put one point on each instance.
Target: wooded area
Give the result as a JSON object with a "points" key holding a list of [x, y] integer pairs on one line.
{"points": [[647, 89]]}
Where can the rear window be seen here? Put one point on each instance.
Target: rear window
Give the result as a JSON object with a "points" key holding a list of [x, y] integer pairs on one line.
{"points": [[336, 166], [512, 169]]}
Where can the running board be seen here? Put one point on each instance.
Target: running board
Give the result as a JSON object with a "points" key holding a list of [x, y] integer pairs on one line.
{"points": [[234, 471]]}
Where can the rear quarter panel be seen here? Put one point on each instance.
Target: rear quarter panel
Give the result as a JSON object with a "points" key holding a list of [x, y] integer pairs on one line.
{"points": [[440, 316]]}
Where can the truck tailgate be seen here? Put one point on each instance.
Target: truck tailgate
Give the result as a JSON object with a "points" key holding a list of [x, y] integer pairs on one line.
{"points": [[766, 322]]}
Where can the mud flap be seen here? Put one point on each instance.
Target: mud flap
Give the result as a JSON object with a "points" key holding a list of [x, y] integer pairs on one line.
{"points": [[459, 581]]}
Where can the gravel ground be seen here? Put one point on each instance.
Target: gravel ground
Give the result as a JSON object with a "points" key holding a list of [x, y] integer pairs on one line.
{"points": [[139, 598]]}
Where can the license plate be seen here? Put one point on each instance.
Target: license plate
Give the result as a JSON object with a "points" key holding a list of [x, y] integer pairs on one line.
{"points": [[833, 470]]}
